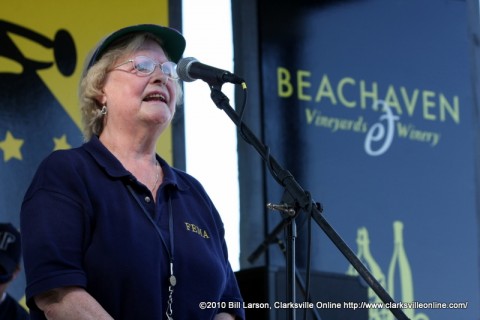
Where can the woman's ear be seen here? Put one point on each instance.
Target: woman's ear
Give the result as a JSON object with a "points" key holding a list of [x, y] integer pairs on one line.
{"points": [[102, 99]]}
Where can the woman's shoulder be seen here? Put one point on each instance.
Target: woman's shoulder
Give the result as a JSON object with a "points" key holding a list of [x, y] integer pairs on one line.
{"points": [[61, 172], [184, 180], [63, 159]]}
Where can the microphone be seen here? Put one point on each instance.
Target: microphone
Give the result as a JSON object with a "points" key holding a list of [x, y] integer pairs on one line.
{"points": [[190, 69]]}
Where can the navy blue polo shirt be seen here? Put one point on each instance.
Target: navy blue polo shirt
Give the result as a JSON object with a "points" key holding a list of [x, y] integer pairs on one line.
{"points": [[83, 225]]}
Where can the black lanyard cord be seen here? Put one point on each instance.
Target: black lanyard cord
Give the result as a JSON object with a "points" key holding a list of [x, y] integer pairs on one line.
{"points": [[170, 251]]}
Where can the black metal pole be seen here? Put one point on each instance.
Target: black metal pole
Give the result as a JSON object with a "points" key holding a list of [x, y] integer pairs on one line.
{"points": [[290, 270], [303, 199]]}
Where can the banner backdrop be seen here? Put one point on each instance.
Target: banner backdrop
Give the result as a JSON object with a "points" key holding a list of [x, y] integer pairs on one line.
{"points": [[369, 104], [43, 45]]}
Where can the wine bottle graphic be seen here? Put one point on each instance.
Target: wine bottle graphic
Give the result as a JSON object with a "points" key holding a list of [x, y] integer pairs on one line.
{"points": [[365, 256], [400, 270]]}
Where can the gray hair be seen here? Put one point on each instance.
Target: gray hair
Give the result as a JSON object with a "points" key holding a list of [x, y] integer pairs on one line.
{"points": [[93, 80]]}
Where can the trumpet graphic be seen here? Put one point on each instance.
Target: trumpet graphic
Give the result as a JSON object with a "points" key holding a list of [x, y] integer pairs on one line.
{"points": [[64, 51]]}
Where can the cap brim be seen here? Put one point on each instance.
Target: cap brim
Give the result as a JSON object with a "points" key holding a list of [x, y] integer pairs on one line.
{"points": [[173, 41]]}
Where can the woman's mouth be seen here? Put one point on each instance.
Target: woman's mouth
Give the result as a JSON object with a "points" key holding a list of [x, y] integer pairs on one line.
{"points": [[155, 97]]}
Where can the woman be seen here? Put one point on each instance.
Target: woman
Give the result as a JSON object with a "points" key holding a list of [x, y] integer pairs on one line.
{"points": [[110, 230]]}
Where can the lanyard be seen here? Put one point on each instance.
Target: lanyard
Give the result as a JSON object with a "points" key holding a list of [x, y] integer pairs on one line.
{"points": [[172, 280]]}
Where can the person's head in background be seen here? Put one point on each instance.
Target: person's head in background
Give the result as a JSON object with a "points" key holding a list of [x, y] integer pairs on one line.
{"points": [[10, 255]]}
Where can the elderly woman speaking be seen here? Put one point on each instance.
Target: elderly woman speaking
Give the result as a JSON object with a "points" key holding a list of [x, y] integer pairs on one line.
{"points": [[110, 230]]}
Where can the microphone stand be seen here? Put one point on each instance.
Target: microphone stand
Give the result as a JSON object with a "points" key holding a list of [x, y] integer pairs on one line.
{"points": [[301, 200], [289, 214]]}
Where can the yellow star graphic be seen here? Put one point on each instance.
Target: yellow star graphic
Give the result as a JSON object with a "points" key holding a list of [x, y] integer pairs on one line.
{"points": [[61, 143], [11, 147]]}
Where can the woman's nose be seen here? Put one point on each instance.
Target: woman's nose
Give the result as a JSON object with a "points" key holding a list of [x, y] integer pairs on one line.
{"points": [[159, 77]]}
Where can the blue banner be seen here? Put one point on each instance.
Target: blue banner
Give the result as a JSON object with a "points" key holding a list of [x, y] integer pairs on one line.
{"points": [[370, 105]]}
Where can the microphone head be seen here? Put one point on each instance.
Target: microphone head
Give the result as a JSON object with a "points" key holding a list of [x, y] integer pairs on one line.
{"points": [[183, 69]]}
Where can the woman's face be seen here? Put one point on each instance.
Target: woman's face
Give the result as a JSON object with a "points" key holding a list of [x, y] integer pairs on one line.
{"points": [[134, 100]]}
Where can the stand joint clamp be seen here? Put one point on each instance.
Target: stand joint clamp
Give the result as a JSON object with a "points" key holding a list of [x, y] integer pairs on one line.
{"points": [[283, 208]]}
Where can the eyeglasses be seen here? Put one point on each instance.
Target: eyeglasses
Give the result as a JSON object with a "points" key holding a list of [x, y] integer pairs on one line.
{"points": [[145, 66]]}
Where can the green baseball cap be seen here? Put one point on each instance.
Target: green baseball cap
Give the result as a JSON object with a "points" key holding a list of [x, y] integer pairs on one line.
{"points": [[173, 41]]}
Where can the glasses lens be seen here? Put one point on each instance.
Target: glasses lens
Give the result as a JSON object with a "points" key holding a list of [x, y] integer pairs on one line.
{"points": [[144, 65], [170, 69]]}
